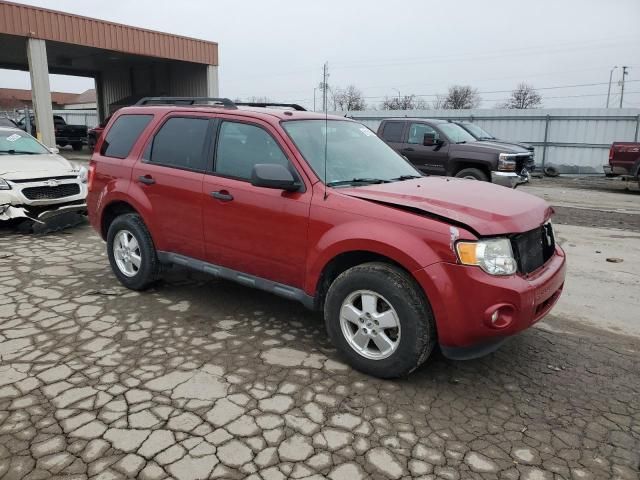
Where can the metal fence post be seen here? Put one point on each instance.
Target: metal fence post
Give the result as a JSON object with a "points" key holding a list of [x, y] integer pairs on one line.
{"points": [[637, 127], [546, 137]]}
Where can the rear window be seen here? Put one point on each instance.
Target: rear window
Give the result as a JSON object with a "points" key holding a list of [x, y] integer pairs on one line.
{"points": [[123, 135], [181, 143], [392, 131]]}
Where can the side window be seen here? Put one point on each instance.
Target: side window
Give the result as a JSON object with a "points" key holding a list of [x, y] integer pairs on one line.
{"points": [[182, 143], [417, 131], [123, 134], [241, 146], [392, 131]]}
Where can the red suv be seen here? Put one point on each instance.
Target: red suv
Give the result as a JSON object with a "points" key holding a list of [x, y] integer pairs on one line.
{"points": [[320, 210]]}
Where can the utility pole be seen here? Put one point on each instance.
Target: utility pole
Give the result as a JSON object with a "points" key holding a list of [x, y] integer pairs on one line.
{"points": [[325, 86], [624, 74], [610, 77]]}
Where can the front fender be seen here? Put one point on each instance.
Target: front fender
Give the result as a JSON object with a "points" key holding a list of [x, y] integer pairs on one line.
{"points": [[406, 246]]}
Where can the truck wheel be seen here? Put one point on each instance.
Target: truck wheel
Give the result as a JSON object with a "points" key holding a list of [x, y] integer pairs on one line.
{"points": [[131, 252], [76, 146], [472, 174], [379, 320]]}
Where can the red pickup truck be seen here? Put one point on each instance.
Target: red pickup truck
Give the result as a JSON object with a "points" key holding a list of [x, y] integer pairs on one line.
{"points": [[320, 210], [624, 160]]}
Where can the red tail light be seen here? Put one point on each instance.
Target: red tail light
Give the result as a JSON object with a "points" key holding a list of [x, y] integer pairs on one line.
{"points": [[611, 150], [91, 175]]}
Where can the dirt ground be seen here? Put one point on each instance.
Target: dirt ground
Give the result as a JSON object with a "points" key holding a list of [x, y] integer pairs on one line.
{"points": [[200, 378]]}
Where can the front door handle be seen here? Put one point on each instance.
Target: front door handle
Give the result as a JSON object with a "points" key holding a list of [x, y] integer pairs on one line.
{"points": [[146, 179], [222, 195], [409, 149]]}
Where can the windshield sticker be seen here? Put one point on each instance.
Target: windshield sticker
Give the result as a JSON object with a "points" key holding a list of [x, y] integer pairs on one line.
{"points": [[13, 138], [366, 131]]}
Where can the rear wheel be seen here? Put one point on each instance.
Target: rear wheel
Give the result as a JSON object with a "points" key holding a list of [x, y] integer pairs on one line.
{"points": [[473, 174], [132, 254], [379, 320], [77, 146]]}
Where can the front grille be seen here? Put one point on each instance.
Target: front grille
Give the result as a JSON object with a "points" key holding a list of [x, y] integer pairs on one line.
{"points": [[532, 249], [524, 161], [51, 193]]}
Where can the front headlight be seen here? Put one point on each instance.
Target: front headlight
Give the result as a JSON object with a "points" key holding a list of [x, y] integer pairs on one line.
{"points": [[507, 162], [4, 185], [494, 256], [83, 174]]}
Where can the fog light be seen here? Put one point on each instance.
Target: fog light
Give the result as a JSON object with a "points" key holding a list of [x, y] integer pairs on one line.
{"points": [[499, 316]]}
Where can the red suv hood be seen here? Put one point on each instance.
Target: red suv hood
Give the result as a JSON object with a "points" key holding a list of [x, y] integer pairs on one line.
{"points": [[483, 207]]}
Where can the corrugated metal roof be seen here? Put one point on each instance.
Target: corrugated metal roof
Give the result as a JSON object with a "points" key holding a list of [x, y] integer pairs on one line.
{"points": [[28, 21]]}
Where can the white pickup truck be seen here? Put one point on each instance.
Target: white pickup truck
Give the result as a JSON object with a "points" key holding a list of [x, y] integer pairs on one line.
{"points": [[35, 182]]}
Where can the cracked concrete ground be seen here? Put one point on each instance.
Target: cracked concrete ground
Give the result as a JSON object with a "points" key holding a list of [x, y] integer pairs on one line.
{"points": [[199, 378]]}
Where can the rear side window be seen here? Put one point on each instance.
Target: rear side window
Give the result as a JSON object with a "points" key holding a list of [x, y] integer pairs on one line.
{"points": [[392, 131], [181, 143], [123, 135], [241, 146]]}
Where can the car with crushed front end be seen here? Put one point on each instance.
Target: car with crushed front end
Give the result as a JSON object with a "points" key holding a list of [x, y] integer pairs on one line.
{"points": [[319, 210], [36, 183]]}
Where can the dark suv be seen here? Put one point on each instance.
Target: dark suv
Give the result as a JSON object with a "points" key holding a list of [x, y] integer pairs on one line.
{"points": [[440, 147], [319, 210]]}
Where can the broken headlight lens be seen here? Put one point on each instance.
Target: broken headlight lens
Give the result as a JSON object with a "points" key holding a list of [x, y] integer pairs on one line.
{"points": [[4, 185], [494, 256]]}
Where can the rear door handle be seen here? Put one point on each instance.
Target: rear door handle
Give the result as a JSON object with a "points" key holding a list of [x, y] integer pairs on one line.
{"points": [[409, 149], [222, 195], [146, 179]]}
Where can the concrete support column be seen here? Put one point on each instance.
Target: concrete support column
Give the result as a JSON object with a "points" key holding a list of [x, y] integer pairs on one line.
{"points": [[40, 90], [212, 81]]}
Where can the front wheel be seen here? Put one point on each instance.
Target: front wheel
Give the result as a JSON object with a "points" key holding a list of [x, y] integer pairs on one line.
{"points": [[131, 252], [379, 320], [473, 174], [76, 146]]}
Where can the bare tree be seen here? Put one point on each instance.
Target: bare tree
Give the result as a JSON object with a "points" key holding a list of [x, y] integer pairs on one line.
{"points": [[347, 99], [406, 102], [439, 102], [524, 96], [461, 97]]}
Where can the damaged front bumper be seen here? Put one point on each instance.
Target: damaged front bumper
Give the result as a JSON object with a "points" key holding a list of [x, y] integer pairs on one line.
{"points": [[11, 212], [510, 179]]}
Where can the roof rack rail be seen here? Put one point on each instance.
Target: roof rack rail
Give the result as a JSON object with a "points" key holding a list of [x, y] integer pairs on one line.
{"points": [[294, 106], [224, 102]]}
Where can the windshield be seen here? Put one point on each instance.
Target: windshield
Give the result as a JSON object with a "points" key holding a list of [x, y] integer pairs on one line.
{"points": [[456, 133], [18, 142], [355, 154], [478, 132]]}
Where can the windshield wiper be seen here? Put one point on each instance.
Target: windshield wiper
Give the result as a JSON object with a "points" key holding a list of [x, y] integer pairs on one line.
{"points": [[405, 177], [357, 181], [17, 152], [463, 141]]}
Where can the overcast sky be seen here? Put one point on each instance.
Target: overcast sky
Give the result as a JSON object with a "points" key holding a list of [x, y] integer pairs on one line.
{"points": [[276, 48]]}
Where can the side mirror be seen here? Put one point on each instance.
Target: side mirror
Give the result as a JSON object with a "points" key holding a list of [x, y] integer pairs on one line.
{"points": [[429, 139], [273, 175], [54, 150]]}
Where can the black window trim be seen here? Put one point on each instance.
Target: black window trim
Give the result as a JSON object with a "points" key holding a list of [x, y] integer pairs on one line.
{"points": [[215, 173], [133, 145], [207, 150]]}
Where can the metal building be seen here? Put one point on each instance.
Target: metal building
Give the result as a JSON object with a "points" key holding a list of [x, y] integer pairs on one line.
{"points": [[126, 62]]}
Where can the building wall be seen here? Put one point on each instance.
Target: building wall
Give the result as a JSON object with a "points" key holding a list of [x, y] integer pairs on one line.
{"points": [[577, 140]]}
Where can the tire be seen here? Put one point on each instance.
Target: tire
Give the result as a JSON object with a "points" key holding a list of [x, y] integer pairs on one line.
{"points": [[416, 337], [149, 266], [62, 144], [472, 174], [76, 146]]}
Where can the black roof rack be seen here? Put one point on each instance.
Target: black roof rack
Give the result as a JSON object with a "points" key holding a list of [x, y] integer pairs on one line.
{"points": [[294, 106], [224, 102]]}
